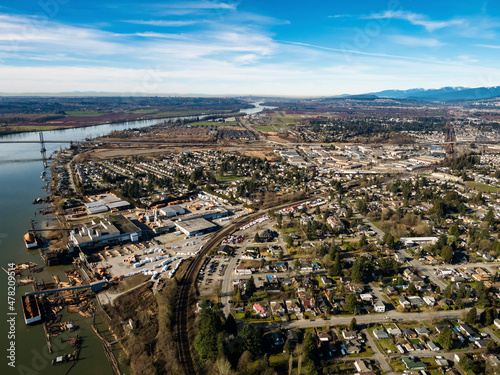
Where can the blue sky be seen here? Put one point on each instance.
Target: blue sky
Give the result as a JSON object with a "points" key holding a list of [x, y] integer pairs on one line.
{"points": [[240, 47]]}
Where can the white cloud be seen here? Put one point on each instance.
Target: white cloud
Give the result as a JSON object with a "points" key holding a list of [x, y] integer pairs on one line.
{"points": [[203, 5], [340, 16], [165, 23], [150, 34], [491, 46], [416, 19], [416, 41]]}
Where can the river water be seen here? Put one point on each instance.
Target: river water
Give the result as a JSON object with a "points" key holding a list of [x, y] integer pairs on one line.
{"points": [[20, 168]]}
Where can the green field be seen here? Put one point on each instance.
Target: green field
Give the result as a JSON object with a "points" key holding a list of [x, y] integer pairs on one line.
{"points": [[35, 128], [144, 111], [229, 178], [269, 128], [85, 113], [485, 188]]}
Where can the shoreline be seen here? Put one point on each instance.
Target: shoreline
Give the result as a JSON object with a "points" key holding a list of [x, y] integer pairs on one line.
{"points": [[117, 121]]}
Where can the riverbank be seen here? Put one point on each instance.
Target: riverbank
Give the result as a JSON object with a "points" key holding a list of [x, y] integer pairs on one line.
{"points": [[105, 119]]}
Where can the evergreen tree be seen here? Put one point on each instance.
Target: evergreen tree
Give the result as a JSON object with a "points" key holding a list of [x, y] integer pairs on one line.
{"points": [[352, 325], [412, 290], [471, 316], [351, 304], [447, 253], [250, 285], [445, 338]]}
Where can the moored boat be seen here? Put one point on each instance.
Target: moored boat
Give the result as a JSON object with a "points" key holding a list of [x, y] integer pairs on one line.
{"points": [[30, 240], [31, 310]]}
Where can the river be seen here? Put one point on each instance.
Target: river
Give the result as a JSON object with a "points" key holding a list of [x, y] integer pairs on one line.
{"points": [[20, 168]]}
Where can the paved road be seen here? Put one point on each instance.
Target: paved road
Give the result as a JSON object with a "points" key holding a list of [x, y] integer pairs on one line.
{"points": [[370, 318], [379, 233], [426, 270], [490, 332], [378, 356]]}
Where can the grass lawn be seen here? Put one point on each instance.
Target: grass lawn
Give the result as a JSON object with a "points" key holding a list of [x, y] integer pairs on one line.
{"points": [[281, 361], [229, 178], [485, 188], [397, 365], [367, 351], [386, 344], [85, 113], [269, 128]]}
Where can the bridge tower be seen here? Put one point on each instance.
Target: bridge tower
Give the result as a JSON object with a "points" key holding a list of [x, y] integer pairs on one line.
{"points": [[42, 143]]}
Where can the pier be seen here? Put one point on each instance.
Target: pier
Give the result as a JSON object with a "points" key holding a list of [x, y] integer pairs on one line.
{"points": [[95, 287]]}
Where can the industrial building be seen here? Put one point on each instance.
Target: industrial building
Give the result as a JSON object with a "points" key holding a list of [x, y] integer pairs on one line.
{"points": [[104, 203], [195, 227], [103, 231]]}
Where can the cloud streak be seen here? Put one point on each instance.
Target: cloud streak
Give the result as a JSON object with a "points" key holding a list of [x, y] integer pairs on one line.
{"points": [[416, 41], [165, 23], [416, 19]]}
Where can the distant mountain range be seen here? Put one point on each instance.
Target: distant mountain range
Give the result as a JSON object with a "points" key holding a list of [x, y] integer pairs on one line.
{"points": [[442, 94]]}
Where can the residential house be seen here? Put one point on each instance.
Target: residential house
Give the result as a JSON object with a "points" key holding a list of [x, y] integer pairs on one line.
{"points": [[422, 331], [335, 223], [379, 306], [366, 297], [351, 346], [326, 280], [267, 235], [394, 331], [469, 332], [380, 334], [441, 362], [390, 290], [322, 303], [277, 308], [349, 335], [497, 323], [408, 332], [259, 310], [307, 282], [404, 302], [416, 301], [432, 346], [492, 359], [224, 250], [362, 366], [431, 301], [324, 336], [308, 304], [481, 343], [413, 363]]}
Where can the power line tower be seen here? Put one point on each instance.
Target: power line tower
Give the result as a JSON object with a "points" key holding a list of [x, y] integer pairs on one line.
{"points": [[450, 140]]}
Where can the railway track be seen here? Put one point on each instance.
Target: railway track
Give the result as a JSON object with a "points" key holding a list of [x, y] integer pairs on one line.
{"points": [[187, 283]]}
